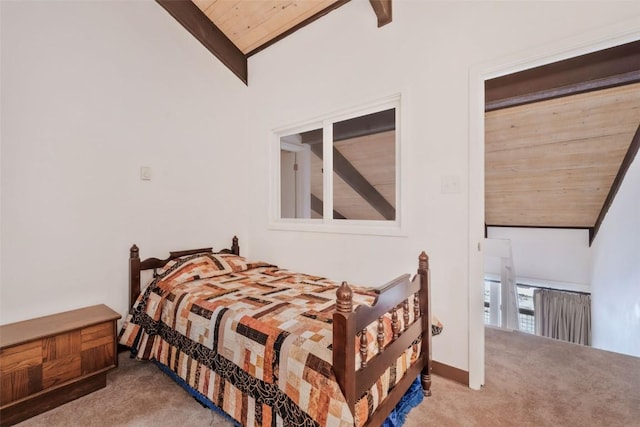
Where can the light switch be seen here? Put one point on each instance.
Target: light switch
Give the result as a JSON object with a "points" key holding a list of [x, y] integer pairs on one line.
{"points": [[145, 173], [450, 184]]}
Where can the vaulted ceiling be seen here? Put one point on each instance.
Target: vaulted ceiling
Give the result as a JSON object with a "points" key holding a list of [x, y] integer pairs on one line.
{"points": [[552, 163], [252, 25], [559, 138], [234, 30]]}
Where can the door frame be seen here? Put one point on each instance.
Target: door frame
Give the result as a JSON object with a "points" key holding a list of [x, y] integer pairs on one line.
{"points": [[588, 42]]}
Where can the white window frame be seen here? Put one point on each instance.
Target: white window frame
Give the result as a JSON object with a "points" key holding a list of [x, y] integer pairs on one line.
{"points": [[327, 223]]}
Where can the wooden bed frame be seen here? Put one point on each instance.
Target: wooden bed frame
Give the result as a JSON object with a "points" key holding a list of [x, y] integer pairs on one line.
{"points": [[348, 325]]}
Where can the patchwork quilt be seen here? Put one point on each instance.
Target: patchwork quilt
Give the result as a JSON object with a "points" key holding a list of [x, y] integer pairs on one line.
{"points": [[254, 339]]}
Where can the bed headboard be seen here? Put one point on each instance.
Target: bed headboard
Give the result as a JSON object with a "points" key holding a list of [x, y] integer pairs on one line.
{"points": [[136, 265]]}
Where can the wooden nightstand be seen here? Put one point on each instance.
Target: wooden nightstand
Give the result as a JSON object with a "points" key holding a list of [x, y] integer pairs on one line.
{"points": [[51, 360]]}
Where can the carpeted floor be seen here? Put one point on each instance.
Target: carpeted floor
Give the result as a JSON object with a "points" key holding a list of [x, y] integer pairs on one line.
{"points": [[530, 381], [536, 381]]}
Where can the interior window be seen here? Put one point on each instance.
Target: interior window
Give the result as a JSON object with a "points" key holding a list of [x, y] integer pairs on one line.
{"points": [[360, 149], [301, 176], [364, 167]]}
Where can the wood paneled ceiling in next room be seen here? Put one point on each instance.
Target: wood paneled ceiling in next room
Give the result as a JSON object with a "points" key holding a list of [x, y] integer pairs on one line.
{"points": [[559, 139], [234, 30]]}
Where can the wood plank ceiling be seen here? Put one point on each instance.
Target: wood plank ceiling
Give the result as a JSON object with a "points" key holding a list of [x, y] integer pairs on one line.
{"points": [[559, 139], [251, 24], [552, 163], [373, 156]]}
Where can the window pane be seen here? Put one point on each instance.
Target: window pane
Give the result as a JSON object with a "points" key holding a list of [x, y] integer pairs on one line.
{"points": [[525, 309], [364, 167], [301, 175]]}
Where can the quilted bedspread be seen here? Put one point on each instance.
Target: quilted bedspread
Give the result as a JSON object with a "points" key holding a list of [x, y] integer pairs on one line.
{"points": [[253, 339]]}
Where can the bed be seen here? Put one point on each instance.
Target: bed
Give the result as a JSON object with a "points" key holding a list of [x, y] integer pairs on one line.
{"points": [[267, 346]]}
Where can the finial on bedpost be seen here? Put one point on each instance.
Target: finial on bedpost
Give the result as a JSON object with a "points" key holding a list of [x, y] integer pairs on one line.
{"points": [[235, 248], [134, 252], [344, 302], [423, 261]]}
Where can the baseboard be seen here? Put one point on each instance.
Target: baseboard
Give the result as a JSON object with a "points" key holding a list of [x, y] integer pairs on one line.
{"points": [[450, 373]]}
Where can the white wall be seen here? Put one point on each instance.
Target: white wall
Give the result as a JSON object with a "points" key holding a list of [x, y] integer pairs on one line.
{"points": [[615, 286], [427, 51], [91, 91], [547, 255]]}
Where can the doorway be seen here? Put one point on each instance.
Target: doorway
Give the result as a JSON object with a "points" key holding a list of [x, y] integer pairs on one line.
{"points": [[587, 43]]}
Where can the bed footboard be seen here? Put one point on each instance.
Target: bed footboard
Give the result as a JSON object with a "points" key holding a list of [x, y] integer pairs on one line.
{"points": [[349, 328]]}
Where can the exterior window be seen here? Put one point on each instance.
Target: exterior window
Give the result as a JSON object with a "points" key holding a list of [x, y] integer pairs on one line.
{"points": [[360, 150], [492, 306]]}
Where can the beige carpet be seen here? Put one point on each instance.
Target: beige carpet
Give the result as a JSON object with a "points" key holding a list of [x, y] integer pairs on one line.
{"points": [[530, 381], [536, 381]]}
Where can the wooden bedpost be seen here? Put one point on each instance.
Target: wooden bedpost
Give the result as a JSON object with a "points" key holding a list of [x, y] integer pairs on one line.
{"points": [[235, 248], [344, 300], [344, 344], [425, 308], [134, 274]]}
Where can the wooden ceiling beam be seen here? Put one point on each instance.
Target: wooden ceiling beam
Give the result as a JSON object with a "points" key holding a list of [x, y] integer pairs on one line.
{"points": [[349, 174], [383, 11], [603, 69], [194, 20], [318, 206], [211, 37], [370, 124], [634, 147]]}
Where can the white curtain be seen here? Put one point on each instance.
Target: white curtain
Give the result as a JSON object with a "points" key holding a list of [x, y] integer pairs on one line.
{"points": [[563, 315]]}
